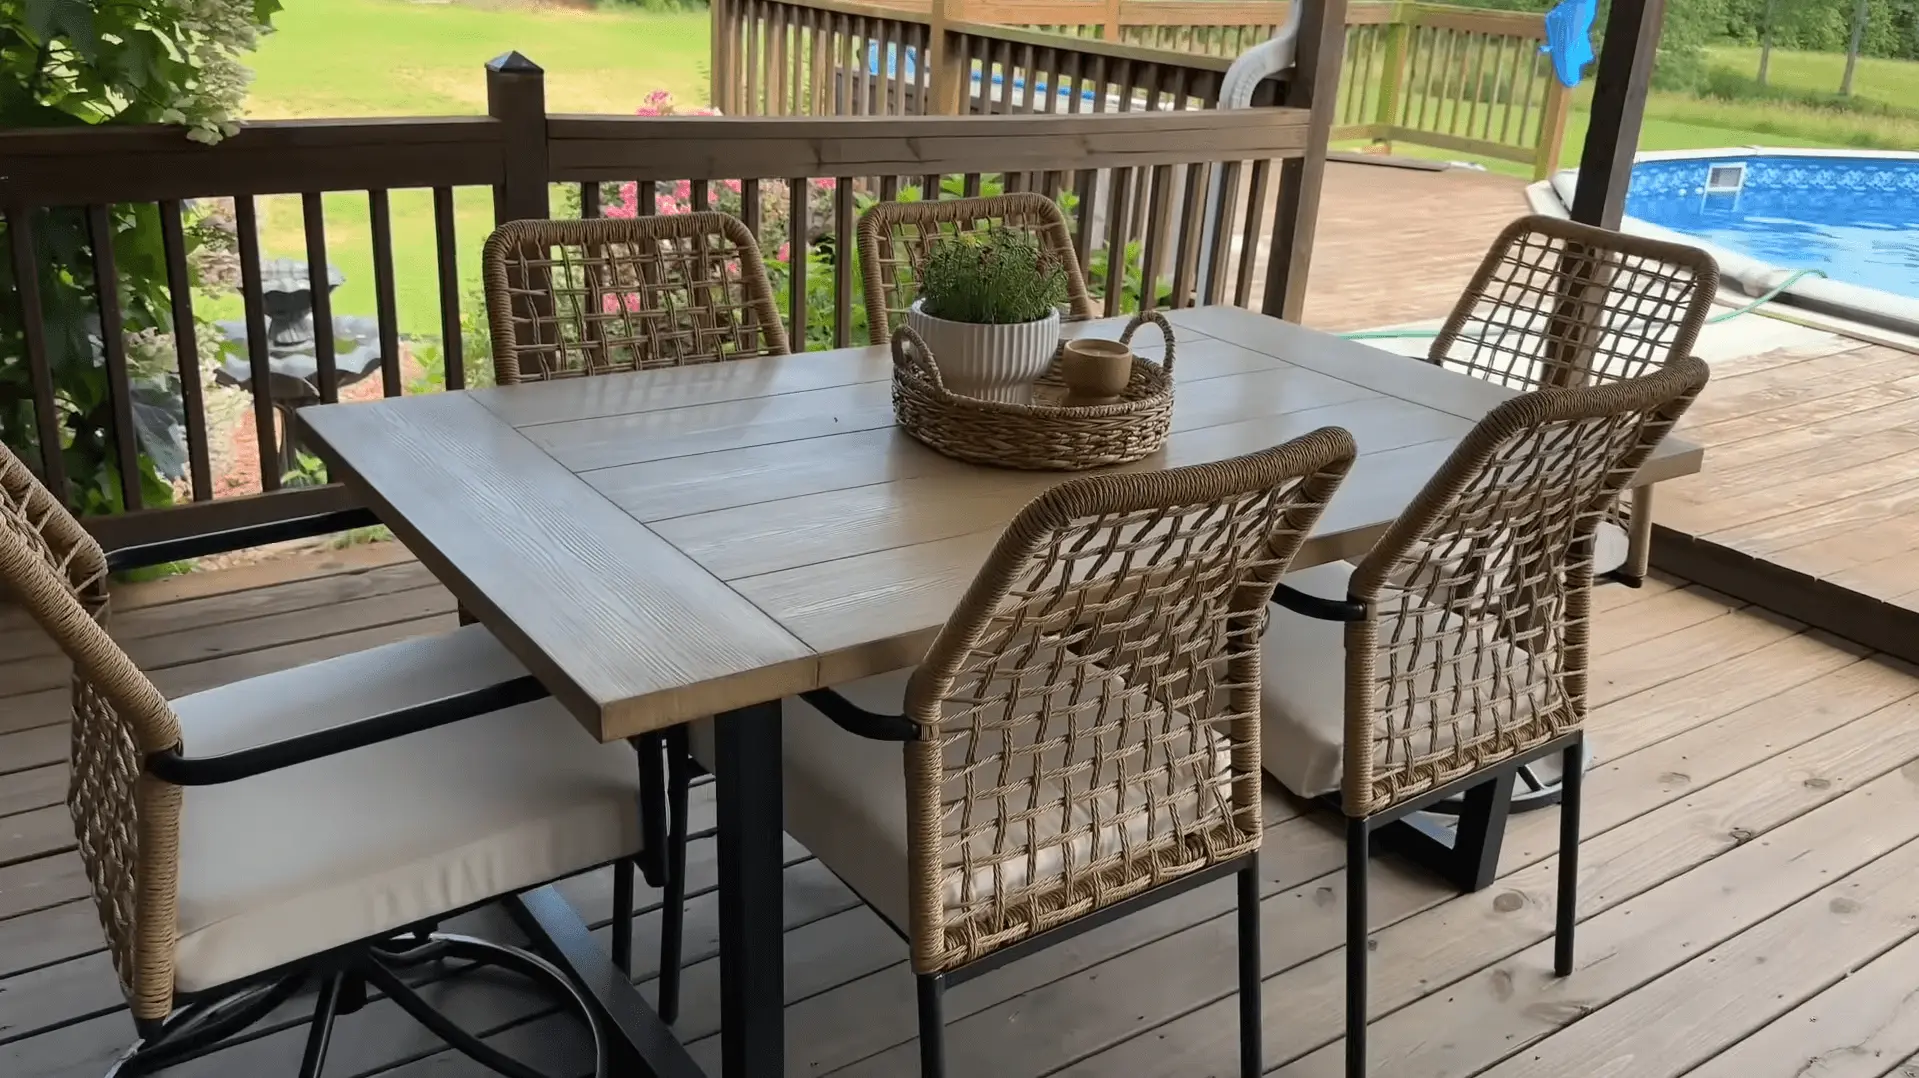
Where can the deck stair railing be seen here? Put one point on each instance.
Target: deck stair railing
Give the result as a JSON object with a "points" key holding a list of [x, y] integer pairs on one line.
{"points": [[1450, 78]]}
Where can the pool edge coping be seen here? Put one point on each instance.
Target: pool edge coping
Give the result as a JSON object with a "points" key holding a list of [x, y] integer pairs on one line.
{"points": [[1752, 276]]}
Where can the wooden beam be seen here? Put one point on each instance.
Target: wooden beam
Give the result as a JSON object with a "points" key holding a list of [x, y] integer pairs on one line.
{"points": [[1314, 87], [1618, 107], [623, 148]]}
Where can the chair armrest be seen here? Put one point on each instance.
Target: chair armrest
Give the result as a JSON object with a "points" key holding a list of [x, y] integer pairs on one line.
{"points": [[279, 531], [1313, 606], [170, 765], [855, 719]]}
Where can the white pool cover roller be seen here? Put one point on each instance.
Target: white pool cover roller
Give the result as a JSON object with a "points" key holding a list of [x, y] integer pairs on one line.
{"points": [[1255, 65]]}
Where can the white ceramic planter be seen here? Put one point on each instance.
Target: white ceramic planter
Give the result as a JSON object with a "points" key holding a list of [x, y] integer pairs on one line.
{"points": [[997, 363]]}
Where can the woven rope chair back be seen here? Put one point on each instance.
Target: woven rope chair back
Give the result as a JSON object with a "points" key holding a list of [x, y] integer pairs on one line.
{"points": [[896, 237], [125, 822], [1089, 715], [1560, 304], [566, 299], [1479, 595]]}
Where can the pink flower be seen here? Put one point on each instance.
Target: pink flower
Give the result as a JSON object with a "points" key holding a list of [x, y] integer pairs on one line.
{"points": [[612, 302], [827, 184], [785, 253], [731, 185]]}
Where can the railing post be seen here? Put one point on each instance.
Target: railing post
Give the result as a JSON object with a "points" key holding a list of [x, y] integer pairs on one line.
{"points": [[1392, 75], [947, 82], [719, 64], [1315, 86], [1111, 30], [516, 96], [1552, 128]]}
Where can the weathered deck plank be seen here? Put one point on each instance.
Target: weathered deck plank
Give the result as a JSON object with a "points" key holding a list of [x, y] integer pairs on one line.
{"points": [[1752, 778]]}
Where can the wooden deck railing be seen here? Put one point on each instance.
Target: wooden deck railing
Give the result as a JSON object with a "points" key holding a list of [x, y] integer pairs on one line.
{"points": [[1138, 187], [1452, 78]]}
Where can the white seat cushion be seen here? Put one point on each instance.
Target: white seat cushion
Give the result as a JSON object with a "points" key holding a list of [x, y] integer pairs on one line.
{"points": [[845, 800], [1611, 547], [298, 861], [1303, 686]]}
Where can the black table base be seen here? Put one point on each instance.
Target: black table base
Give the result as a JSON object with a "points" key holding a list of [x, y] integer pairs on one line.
{"points": [[752, 944]]}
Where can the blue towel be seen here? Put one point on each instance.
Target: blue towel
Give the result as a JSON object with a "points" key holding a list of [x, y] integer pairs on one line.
{"points": [[1569, 28], [892, 60]]}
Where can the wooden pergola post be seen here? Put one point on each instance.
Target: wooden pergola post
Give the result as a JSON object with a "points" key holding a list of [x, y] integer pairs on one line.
{"points": [[1618, 108], [944, 78]]}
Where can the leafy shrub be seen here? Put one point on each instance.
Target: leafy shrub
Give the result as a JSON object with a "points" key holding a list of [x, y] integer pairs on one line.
{"points": [[66, 63], [997, 277]]}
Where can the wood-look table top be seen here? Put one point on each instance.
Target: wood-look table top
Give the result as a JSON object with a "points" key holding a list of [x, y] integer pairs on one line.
{"points": [[662, 545]]}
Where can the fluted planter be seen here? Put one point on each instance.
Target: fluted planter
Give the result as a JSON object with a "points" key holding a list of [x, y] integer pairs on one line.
{"points": [[991, 362]]}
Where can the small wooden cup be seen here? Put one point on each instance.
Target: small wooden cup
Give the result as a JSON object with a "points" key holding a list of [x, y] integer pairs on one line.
{"points": [[1095, 371]]}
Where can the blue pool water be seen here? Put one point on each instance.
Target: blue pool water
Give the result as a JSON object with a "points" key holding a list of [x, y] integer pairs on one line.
{"points": [[1855, 218]]}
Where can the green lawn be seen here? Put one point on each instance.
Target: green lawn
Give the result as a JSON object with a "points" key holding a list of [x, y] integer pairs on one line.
{"points": [[402, 58], [405, 58], [1892, 82]]}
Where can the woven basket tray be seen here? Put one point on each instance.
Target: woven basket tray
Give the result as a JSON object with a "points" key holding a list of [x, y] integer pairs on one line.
{"points": [[1042, 436]]}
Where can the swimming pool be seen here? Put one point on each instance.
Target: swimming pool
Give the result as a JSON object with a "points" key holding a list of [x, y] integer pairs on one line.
{"points": [[1855, 217]]}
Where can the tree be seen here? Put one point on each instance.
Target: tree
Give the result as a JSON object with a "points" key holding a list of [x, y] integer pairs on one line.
{"points": [[1765, 39], [69, 63], [1860, 14]]}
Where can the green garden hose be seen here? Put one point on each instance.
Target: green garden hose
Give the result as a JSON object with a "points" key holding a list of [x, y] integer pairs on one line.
{"points": [[1400, 334]]}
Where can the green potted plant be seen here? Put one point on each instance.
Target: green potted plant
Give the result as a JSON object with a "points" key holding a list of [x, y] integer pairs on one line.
{"points": [[988, 311]]}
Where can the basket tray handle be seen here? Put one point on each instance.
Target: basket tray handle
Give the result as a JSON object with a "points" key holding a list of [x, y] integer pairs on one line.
{"points": [[1165, 329], [911, 355]]}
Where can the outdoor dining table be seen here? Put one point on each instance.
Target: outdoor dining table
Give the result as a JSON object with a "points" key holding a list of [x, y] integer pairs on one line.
{"points": [[665, 545]]}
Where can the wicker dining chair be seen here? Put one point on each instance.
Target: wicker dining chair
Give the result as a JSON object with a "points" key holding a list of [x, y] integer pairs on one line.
{"points": [[1082, 737], [572, 299], [567, 299], [1455, 652], [896, 237], [1555, 304], [328, 818]]}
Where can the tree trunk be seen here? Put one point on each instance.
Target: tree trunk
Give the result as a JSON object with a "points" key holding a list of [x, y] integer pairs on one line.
{"points": [[1765, 40], [1859, 15]]}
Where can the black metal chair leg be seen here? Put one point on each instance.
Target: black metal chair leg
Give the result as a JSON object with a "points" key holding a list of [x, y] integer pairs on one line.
{"points": [[1568, 911], [623, 917], [1357, 861], [331, 989], [932, 988], [194, 1029], [649, 748], [679, 779], [1251, 1038]]}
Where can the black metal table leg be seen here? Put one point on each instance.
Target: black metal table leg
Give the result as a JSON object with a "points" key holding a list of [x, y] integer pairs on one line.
{"points": [[752, 957], [634, 1031]]}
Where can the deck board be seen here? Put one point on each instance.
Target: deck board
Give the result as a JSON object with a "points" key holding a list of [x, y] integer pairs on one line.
{"points": [[1811, 453], [1716, 725], [1752, 795]]}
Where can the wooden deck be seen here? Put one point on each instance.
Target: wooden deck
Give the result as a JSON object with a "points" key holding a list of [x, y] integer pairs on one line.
{"points": [[1749, 883], [1750, 888], [1812, 460]]}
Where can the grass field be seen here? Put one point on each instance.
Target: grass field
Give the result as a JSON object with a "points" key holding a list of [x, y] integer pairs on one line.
{"points": [[1891, 82], [404, 58]]}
